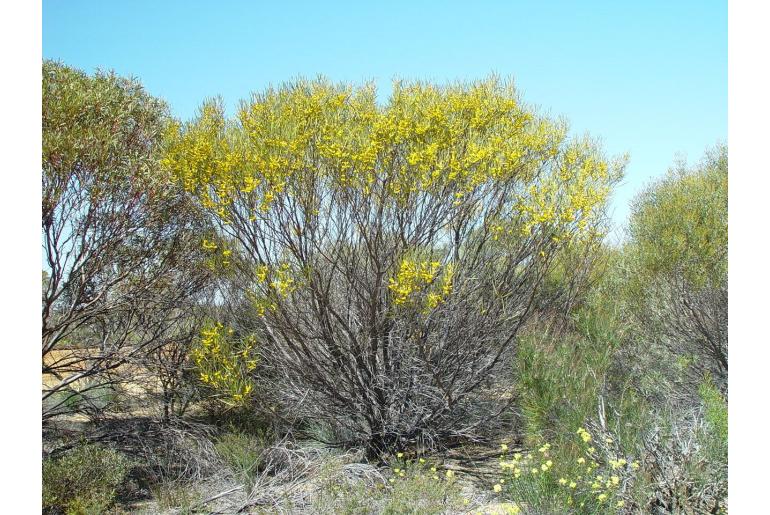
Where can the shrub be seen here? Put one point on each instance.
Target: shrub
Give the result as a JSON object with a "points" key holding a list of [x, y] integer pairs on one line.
{"points": [[114, 229], [684, 466], [677, 255], [84, 480], [393, 251]]}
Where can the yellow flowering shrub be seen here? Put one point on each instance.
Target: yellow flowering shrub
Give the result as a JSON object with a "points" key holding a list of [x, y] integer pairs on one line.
{"points": [[352, 215], [224, 363]]}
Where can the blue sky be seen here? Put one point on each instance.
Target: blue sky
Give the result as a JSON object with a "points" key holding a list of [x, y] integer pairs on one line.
{"points": [[648, 77]]}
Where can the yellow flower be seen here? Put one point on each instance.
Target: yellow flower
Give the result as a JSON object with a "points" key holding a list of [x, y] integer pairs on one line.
{"points": [[400, 455], [422, 460], [602, 497], [504, 447], [450, 474], [615, 480], [573, 484], [581, 460], [620, 504], [498, 488], [562, 481], [433, 469]]}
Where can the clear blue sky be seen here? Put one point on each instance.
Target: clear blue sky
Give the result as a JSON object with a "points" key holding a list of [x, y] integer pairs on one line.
{"points": [[647, 77]]}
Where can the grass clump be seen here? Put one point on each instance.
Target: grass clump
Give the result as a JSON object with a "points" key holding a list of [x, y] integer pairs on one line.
{"points": [[244, 454], [415, 487]]}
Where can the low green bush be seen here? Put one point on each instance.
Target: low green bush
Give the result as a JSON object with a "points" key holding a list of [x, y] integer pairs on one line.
{"points": [[84, 480]]}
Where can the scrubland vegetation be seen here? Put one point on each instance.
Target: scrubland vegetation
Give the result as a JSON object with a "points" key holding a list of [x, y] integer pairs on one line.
{"points": [[327, 303]]}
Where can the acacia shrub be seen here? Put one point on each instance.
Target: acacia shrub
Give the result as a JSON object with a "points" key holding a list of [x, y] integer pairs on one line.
{"points": [[393, 250]]}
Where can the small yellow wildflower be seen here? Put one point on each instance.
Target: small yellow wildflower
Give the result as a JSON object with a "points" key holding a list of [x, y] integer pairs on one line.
{"points": [[573, 484], [450, 474], [615, 480], [504, 447], [602, 497], [498, 488], [581, 460], [400, 455], [562, 481], [620, 504]]}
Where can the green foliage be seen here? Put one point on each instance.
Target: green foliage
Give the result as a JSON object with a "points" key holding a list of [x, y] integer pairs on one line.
{"points": [[84, 480], [715, 406], [561, 375], [244, 454], [679, 225], [97, 130]]}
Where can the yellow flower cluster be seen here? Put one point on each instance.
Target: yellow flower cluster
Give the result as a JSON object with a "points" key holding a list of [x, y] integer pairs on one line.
{"points": [[447, 143], [272, 284], [585, 435], [421, 281], [409, 468], [534, 472], [223, 363]]}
